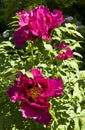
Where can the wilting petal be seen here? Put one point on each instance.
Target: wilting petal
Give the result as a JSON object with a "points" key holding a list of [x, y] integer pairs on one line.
{"points": [[40, 115]]}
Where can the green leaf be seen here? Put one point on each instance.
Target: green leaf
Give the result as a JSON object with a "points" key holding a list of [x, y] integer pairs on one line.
{"points": [[53, 116], [82, 74], [58, 32], [77, 54], [77, 93], [6, 44], [48, 47], [56, 38], [77, 33], [29, 74], [79, 119], [76, 124], [69, 25]]}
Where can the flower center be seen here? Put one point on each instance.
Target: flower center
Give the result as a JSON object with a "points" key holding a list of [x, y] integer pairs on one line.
{"points": [[34, 92]]}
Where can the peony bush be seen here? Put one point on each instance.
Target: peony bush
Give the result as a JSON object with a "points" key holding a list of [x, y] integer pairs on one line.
{"points": [[40, 73], [33, 93]]}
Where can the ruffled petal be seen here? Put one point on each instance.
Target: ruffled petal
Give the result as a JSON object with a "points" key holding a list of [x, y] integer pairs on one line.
{"points": [[18, 91], [15, 94], [24, 20], [58, 17], [36, 72], [20, 36], [42, 116], [69, 53], [55, 88]]}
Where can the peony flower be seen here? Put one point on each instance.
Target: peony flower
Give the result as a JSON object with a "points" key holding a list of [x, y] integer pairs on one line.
{"points": [[21, 13], [65, 52], [33, 94], [58, 17], [22, 34], [62, 46], [40, 23]]}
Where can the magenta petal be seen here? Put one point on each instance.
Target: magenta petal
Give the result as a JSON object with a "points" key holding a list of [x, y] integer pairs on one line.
{"points": [[24, 20], [55, 87], [69, 53], [42, 116], [14, 94], [58, 17], [36, 72], [18, 91], [20, 36], [63, 46], [38, 103], [40, 22], [23, 12], [47, 37]]}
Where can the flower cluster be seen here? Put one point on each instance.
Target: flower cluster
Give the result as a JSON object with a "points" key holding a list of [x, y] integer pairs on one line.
{"points": [[33, 94], [37, 23], [64, 51]]}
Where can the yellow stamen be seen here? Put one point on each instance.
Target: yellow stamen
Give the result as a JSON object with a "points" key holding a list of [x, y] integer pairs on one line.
{"points": [[34, 92]]}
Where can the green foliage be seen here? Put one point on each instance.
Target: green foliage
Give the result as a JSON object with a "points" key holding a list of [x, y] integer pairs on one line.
{"points": [[68, 111]]}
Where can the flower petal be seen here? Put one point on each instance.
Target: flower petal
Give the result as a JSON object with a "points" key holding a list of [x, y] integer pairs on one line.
{"points": [[18, 91], [69, 53], [15, 94], [20, 36], [36, 72], [54, 87], [42, 116], [37, 23], [58, 17], [24, 19]]}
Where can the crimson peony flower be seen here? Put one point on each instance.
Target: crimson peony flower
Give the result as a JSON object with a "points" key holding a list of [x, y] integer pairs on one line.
{"points": [[65, 52], [39, 22], [21, 13], [33, 94]]}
